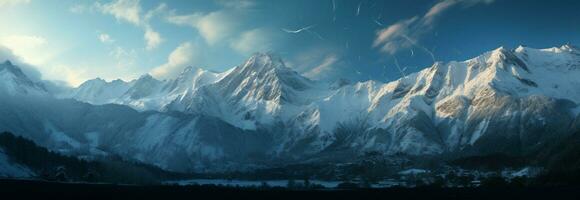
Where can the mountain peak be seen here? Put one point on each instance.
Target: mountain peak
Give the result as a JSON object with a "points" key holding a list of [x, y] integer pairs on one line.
{"points": [[189, 69], [500, 51], [260, 61], [118, 81], [569, 47], [341, 82], [266, 55], [145, 77], [507, 56], [14, 81], [95, 80], [13, 68], [565, 48], [7, 62], [192, 72]]}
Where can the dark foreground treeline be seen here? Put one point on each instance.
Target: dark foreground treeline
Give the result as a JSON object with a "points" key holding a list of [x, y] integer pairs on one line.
{"points": [[560, 158], [19, 189], [52, 166]]}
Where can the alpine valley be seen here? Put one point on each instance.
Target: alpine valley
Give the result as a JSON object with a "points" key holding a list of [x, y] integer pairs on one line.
{"points": [[262, 114]]}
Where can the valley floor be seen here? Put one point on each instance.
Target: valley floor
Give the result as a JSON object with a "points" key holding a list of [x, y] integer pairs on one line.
{"points": [[25, 189]]}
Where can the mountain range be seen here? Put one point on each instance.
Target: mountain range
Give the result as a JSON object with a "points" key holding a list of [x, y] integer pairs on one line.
{"points": [[262, 113]]}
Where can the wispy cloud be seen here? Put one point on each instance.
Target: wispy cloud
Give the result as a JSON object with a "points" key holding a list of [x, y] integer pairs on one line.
{"points": [[406, 33], [34, 48], [184, 55], [129, 11], [27, 47], [391, 38], [255, 40], [323, 68], [105, 38], [152, 37], [225, 25], [7, 3], [124, 58], [239, 4], [30, 70], [161, 9], [323, 62], [74, 76], [126, 10], [79, 8], [213, 27], [24, 41]]}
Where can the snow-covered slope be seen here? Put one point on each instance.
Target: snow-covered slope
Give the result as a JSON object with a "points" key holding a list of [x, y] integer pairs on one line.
{"points": [[151, 94], [446, 107], [260, 91], [98, 91], [516, 95], [501, 101], [174, 141], [14, 82]]}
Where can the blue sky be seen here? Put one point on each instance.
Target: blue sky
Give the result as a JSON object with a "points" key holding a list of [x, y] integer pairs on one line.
{"points": [[73, 41]]}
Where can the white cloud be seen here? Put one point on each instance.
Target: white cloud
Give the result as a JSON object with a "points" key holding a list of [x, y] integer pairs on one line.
{"points": [[445, 5], [72, 75], [216, 26], [440, 8], [392, 38], [321, 63], [225, 26], [406, 33], [130, 11], [27, 47], [323, 68], [184, 20], [125, 58], [35, 55], [213, 27], [127, 10], [25, 41], [31, 71], [161, 9], [181, 57], [7, 3], [105, 38], [256, 40], [239, 4], [79, 8], [152, 37]]}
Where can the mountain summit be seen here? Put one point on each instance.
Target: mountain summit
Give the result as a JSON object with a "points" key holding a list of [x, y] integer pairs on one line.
{"points": [[14, 82], [505, 100]]}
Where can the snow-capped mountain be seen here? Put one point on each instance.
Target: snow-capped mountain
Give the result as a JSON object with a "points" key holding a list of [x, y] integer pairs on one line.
{"points": [[445, 107], [159, 94], [15, 82], [98, 91], [261, 111], [174, 141], [254, 93]]}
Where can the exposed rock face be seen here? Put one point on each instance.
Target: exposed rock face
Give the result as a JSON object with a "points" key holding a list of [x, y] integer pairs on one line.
{"points": [[261, 111]]}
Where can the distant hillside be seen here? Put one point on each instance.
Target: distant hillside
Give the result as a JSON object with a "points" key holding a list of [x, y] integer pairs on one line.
{"points": [[53, 166]]}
